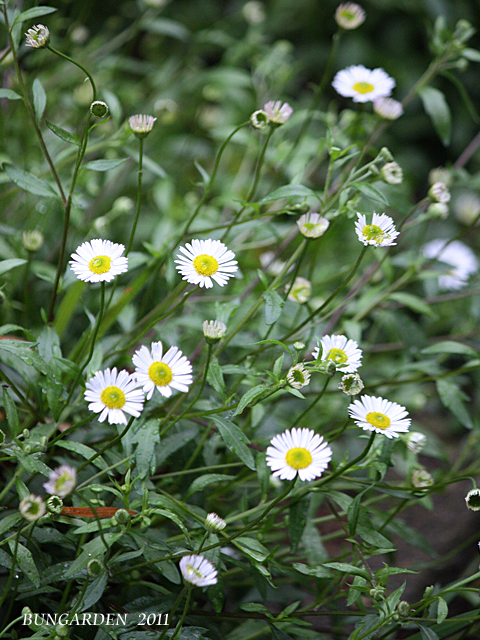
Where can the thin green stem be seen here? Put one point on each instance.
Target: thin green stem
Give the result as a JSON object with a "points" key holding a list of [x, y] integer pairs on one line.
{"points": [[312, 404], [139, 195], [107, 446], [77, 64], [174, 608], [184, 614]]}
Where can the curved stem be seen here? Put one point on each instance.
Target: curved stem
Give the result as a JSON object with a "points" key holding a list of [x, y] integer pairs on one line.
{"points": [[77, 64], [139, 195]]}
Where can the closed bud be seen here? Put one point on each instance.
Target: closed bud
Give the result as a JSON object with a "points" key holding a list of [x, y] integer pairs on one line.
{"points": [[351, 384], [54, 504], [403, 608], [298, 346], [121, 516], [214, 522], [38, 37], [32, 240], [259, 119], [95, 568], [378, 593], [330, 369], [386, 155], [99, 109]]}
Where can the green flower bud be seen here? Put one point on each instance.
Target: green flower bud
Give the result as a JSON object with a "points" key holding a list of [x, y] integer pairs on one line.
{"points": [[122, 516], [99, 109], [95, 568], [54, 504], [403, 609]]}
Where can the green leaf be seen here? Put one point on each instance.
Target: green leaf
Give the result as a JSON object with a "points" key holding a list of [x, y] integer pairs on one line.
{"points": [[252, 548], [216, 594], [63, 134], [9, 94], [215, 377], [30, 14], [103, 165], [167, 27], [442, 610], [166, 513], [11, 263], [453, 398], [437, 108], [278, 634], [427, 633], [235, 440], [146, 437], [297, 519], [449, 346], [11, 412], [25, 562], [289, 191], [67, 306], [84, 451], [25, 352], [93, 592], [200, 483], [251, 395], [350, 569], [9, 522], [91, 550], [370, 192], [413, 302], [353, 512], [273, 306], [39, 99], [315, 572], [29, 182]]}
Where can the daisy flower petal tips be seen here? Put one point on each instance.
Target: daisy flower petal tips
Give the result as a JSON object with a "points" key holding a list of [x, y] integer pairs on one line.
{"points": [[165, 372], [98, 261], [343, 352], [198, 571], [380, 233], [380, 415], [299, 451], [112, 395], [204, 261], [277, 113], [362, 84]]}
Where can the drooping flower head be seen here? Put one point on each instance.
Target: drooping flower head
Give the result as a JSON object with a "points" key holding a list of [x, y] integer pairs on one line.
{"points": [[298, 376], [98, 261], [259, 119], [32, 508], [198, 571], [312, 225], [380, 233], [362, 84], [351, 384], [392, 173], [299, 451], [277, 113], [112, 395], [472, 499], [163, 372], [61, 481], [204, 261], [349, 15], [343, 352], [458, 256], [141, 125], [380, 415], [388, 108], [38, 37]]}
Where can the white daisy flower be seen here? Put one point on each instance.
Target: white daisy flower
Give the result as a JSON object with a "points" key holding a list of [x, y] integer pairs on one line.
{"points": [[167, 372], [198, 571], [204, 261], [61, 481], [312, 225], [362, 84], [380, 415], [111, 394], [277, 113], [343, 352], [98, 261], [141, 125], [458, 256], [388, 108], [299, 451], [349, 15], [38, 37], [32, 508], [380, 233]]}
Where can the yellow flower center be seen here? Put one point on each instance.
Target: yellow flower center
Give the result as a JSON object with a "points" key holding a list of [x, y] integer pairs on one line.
{"points": [[100, 264], [191, 570], [363, 87], [205, 265], [379, 420], [337, 355], [373, 232], [298, 458], [160, 374], [113, 397]]}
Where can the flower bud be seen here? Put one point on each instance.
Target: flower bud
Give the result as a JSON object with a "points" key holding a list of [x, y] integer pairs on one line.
{"points": [[438, 210], [32, 240], [421, 478], [385, 154], [330, 368], [391, 173], [54, 505], [259, 119], [416, 441], [95, 568], [298, 376], [298, 346], [351, 384], [300, 291], [213, 522], [312, 225], [403, 608], [472, 499], [38, 37], [349, 15], [388, 108], [214, 331], [439, 192], [99, 109], [378, 593], [32, 508], [141, 125], [254, 12], [121, 516]]}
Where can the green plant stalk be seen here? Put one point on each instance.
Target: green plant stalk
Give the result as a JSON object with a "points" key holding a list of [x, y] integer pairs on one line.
{"points": [[107, 446], [9, 626], [184, 614], [175, 607], [12, 570], [77, 64], [139, 195], [30, 109], [312, 404]]}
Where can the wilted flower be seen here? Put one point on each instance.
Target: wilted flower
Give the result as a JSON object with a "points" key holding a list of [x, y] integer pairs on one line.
{"points": [[32, 508], [362, 84], [259, 119], [298, 376], [32, 240], [380, 233], [349, 15], [61, 481], [301, 290], [351, 384], [198, 571], [38, 36], [277, 112], [457, 255], [214, 522], [299, 451], [439, 192], [312, 225], [388, 108], [141, 125], [214, 330], [472, 499], [421, 478], [380, 415], [204, 261], [392, 173]]}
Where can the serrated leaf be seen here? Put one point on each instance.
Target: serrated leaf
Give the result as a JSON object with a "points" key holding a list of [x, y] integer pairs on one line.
{"points": [[370, 192], [9, 94], [449, 346], [248, 398], [11, 412], [103, 165], [25, 562], [29, 182], [288, 191], [11, 263], [39, 99], [442, 610], [273, 306], [412, 302], [437, 108], [30, 14], [63, 134], [453, 398], [235, 440], [200, 483]]}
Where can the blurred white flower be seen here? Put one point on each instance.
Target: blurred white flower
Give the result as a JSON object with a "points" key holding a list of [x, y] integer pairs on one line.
{"points": [[467, 207], [277, 112], [349, 15], [392, 173], [388, 108], [198, 571], [458, 256], [61, 481], [312, 225], [362, 84], [300, 291]]}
